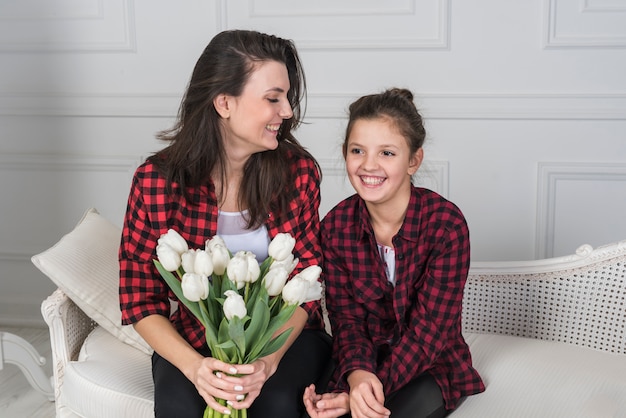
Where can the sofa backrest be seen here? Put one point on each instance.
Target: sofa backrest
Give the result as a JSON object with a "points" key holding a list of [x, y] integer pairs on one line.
{"points": [[578, 299]]}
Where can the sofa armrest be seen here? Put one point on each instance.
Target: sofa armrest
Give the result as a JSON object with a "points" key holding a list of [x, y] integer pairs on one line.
{"points": [[68, 326], [578, 299]]}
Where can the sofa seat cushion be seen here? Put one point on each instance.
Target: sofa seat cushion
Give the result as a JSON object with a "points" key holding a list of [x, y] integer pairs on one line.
{"points": [[110, 379], [526, 377]]}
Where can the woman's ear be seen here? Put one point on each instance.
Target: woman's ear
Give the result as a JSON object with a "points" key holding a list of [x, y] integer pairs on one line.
{"points": [[416, 161], [221, 103]]}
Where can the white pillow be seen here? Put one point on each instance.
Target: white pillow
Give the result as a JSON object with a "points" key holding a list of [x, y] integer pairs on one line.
{"points": [[84, 265]]}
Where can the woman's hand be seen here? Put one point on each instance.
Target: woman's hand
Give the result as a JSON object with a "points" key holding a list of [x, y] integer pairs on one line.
{"points": [[328, 405], [367, 398], [238, 384]]}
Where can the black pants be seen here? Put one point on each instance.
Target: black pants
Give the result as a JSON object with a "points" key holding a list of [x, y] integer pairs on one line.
{"points": [[307, 361], [420, 398]]}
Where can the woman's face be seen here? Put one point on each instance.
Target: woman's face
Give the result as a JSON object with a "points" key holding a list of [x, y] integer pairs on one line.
{"points": [[379, 162], [252, 120]]}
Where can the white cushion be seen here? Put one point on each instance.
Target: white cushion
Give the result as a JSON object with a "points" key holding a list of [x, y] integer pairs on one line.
{"points": [[110, 379], [84, 264], [532, 378]]}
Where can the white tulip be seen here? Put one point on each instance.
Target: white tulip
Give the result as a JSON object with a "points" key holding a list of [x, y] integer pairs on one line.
{"points": [[195, 286], [234, 305], [314, 292], [275, 280], [243, 268], [174, 240], [188, 260], [254, 270], [220, 257], [203, 263], [288, 264], [281, 246], [311, 273], [168, 257], [299, 290], [212, 242], [237, 269]]}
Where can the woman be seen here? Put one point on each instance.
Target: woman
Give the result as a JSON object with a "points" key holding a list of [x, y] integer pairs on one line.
{"points": [[396, 260], [233, 168]]}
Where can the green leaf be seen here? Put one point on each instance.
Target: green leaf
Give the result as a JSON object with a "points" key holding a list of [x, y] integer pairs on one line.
{"points": [[236, 333], [227, 284], [276, 305], [259, 345], [225, 343], [260, 319], [258, 294], [265, 265], [176, 287], [274, 345]]}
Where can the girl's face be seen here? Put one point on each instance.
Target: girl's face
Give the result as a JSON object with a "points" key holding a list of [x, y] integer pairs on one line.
{"points": [[252, 120], [379, 162]]}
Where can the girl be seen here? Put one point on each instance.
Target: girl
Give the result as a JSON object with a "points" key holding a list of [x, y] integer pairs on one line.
{"points": [[396, 260]]}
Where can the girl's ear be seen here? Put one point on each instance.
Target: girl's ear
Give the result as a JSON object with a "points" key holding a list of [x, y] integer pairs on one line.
{"points": [[222, 106], [416, 161]]}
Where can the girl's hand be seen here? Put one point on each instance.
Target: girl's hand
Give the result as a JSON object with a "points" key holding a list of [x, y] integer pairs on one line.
{"points": [[328, 405], [367, 398]]}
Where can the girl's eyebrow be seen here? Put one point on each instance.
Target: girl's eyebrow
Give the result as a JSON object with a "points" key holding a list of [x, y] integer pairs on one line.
{"points": [[352, 144]]}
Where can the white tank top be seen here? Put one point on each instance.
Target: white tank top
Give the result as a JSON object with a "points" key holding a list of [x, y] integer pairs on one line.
{"points": [[231, 226], [388, 255]]}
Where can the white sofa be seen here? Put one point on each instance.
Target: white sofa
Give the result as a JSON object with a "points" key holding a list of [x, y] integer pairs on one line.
{"points": [[548, 336]]}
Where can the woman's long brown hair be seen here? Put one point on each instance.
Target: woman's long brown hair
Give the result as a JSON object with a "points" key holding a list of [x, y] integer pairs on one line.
{"points": [[196, 149]]}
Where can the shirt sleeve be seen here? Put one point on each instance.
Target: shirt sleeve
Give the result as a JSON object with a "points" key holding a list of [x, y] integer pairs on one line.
{"points": [[141, 292], [303, 223], [352, 348]]}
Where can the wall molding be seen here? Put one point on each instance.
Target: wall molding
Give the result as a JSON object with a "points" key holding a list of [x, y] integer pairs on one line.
{"points": [[46, 26], [582, 106], [550, 176], [21, 312], [603, 6], [596, 23], [364, 35], [55, 162]]}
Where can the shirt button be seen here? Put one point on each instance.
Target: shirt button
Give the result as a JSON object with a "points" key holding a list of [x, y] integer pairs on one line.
{"points": [[400, 257]]}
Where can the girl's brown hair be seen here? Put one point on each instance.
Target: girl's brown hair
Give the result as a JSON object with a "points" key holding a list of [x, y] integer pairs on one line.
{"points": [[395, 104]]}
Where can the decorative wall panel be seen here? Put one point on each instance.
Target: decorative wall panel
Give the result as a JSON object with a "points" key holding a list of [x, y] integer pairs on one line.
{"points": [[67, 25], [348, 24], [587, 23], [579, 204]]}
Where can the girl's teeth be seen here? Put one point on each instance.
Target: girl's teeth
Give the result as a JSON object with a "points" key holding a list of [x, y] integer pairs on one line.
{"points": [[372, 181]]}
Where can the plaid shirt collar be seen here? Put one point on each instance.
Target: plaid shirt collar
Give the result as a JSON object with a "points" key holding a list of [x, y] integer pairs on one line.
{"points": [[408, 231]]}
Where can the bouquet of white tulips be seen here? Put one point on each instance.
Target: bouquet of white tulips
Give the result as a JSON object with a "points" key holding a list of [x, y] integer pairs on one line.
{"points": [[241, 304]]}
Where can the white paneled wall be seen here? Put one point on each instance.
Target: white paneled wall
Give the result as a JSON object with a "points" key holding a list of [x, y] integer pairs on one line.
{"points": [[524, 101]]}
